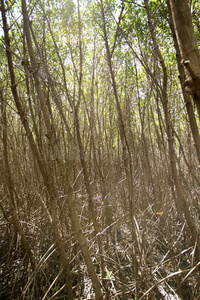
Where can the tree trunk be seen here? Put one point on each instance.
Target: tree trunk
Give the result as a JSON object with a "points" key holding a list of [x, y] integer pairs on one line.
{"points": [[187, 43], [188, 103]]}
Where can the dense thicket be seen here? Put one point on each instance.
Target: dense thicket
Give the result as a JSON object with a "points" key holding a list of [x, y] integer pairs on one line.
{"points": [[99, 149]]}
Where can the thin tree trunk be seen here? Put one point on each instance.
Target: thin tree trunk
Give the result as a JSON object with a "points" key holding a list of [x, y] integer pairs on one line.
{"points": [[43, 167], [68, 189], [125, 149], [92, 209], [9, 183]]}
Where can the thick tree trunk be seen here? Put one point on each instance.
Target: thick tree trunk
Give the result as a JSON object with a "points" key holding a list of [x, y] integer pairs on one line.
{"points": [[187, 43], [185, 33], [188, 103]]}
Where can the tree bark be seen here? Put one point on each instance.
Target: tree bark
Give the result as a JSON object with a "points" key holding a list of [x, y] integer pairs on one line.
{"points": [[187, 43], [188, 103]]}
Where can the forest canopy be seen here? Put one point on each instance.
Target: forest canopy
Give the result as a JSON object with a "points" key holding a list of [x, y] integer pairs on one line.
{"points": [[99, 149]]}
